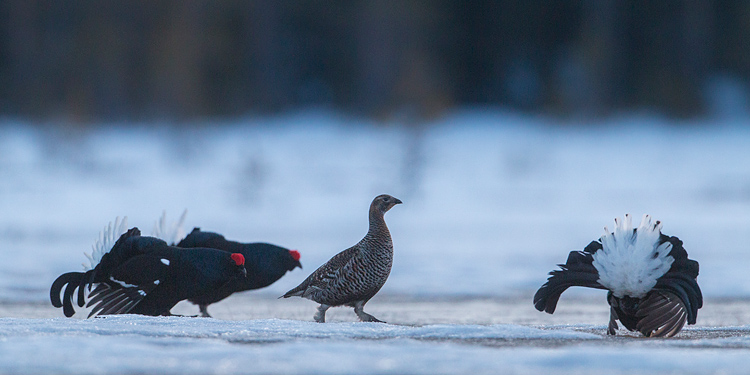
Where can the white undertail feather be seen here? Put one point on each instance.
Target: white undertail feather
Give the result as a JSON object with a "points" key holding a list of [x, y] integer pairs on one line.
{"points": [[629, 262], [171, 233], [107, 238]]}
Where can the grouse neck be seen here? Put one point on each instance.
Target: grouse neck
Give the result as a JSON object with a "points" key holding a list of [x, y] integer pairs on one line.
{"points": [[377, 224]]}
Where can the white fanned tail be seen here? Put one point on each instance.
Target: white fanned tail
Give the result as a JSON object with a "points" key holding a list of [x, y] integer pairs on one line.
{"points": [[107, 238], [171, 233], [630, 262]]}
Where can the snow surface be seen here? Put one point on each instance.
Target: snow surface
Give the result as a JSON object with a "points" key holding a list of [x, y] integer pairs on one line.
{"points": [[492, 201], [138, 344]]}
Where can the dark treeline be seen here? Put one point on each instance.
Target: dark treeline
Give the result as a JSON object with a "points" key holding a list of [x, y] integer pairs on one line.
{"points": [[140, 59]]}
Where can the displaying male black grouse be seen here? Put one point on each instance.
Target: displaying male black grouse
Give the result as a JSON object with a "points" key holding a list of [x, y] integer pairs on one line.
{"points": [[652, 284], [144, 275], [356, 274], [265, 264]]}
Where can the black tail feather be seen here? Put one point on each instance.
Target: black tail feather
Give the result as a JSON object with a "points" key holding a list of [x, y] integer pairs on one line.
{"points": [[70, 281], [81, 280], [57, 285], [82, 289]]}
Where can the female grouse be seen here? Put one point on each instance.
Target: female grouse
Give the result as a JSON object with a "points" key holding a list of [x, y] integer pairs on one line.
{"points": [[356, 274]]}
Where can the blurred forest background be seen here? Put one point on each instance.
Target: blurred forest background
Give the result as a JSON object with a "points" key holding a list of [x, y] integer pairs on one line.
{"points": [[105, 60]]}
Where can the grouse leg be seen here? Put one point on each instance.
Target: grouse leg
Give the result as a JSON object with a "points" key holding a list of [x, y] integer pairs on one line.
{"points": [[204, 311], [359, 309], [611, 330], [320, 316]]}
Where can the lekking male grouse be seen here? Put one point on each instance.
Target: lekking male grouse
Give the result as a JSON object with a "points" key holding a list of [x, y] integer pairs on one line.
{"points": [[144, 275], [265, 263], [652, 284], [353, 276]]}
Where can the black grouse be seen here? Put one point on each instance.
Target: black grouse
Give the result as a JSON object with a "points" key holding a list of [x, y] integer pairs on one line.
{"points": [[353, 276], [265, 264], [144, 275], [653, 287]]}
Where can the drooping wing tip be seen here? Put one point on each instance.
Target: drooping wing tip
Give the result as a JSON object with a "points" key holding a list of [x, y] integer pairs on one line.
{"points": [[542, 300], [578, 270], [106, 300]]}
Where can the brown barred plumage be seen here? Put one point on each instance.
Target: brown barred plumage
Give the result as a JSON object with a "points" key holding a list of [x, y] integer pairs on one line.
{"points": [[356, 274]]}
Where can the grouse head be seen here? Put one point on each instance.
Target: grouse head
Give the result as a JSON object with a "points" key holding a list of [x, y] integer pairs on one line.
{"points": [[383, 203], [294, 261], [239, 263]]}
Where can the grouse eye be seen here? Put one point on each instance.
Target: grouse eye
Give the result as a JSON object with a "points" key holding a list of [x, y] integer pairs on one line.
{"points": [[385, 199]]}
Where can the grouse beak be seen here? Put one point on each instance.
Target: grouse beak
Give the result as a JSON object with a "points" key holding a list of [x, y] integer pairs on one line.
{"points": [[397, 201], [244, 271], [298, 264]]}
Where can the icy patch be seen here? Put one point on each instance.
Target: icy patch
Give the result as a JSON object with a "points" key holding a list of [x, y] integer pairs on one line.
{"points": [[630, 262]]}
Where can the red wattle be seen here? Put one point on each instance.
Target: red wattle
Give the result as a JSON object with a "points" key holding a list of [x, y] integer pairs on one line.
{"points": [[238, 258]]}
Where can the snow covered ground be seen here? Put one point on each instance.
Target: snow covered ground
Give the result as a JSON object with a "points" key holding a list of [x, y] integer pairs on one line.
{"points": [[492, 202], [430, 336]]}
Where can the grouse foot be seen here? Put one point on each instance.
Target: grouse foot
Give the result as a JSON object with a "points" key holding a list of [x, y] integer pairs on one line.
{"points": [[612, 328], [204, 311], [320, 316], [359, 309]]}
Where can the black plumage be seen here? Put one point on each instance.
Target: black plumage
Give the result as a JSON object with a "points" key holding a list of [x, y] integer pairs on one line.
{"points": [[353, 276], [265, 263], [144, 275], [660, 311]]}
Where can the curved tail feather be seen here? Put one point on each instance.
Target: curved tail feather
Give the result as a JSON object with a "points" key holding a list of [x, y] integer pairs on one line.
{"points": [[70, 281], [577, 271], [80, 280]]}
